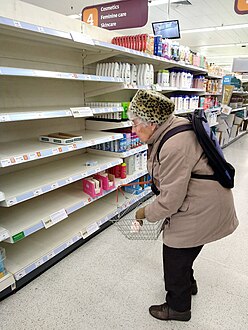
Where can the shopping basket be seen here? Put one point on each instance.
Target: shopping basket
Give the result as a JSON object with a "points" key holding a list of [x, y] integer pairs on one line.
{"points": [[126, 222]]}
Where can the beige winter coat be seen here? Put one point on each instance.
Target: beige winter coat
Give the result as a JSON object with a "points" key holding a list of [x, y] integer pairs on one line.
{"points": [[199, 211]]}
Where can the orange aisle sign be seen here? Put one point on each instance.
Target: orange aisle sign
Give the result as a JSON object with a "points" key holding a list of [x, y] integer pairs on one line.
{"points": [[241, 7], [117, 15]]}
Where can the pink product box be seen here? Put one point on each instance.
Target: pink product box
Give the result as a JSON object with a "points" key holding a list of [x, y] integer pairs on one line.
{"points": [[107, 180], [92, 187]]}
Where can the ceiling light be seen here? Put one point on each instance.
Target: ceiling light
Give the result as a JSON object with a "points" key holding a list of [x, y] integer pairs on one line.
{"points": [[225, 45], [229, 27], [216, 28], [163, 2], [198, 30]]}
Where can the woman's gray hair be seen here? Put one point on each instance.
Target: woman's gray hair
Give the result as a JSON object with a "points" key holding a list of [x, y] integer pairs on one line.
{"points": [[132, 116]]}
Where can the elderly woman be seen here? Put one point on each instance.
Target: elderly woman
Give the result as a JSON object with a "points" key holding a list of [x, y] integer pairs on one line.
{"points": [[196, 211]]}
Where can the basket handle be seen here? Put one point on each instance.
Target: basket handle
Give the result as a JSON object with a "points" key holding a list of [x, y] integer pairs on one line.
{"points": [[128, 185]]}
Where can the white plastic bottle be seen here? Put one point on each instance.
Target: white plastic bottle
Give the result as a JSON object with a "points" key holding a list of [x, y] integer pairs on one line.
{"points": [[151, 75], [97, 69], [128, 74], [133, 74], [159, 77], [116, 70], [147, 76]]}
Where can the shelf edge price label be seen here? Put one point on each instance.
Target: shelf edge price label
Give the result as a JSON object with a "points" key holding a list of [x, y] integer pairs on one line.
{"points": [[81, 112], [4, 234], [4, 117], [90, 230], [82, 38], [55, 218]]}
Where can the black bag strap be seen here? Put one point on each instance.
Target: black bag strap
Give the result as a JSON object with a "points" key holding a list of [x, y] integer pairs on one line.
{"points": [[170, 133]]}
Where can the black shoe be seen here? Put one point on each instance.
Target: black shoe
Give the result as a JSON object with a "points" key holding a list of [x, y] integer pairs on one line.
{"points": [[165, 313], [194, 288]]}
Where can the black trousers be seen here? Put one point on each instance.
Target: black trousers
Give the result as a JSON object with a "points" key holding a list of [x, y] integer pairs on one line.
{"points": [[178, 275]]}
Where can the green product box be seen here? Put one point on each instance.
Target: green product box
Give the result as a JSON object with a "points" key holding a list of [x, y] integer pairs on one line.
{"points": [[125, 106]]}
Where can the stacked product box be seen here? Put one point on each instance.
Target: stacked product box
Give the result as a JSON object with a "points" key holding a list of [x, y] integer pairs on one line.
{"points": [[138, 185], [3, 271]]}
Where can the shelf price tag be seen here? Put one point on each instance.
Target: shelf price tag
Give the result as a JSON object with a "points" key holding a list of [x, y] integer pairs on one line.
{"points": [[81, 112], [4, 234], [79, 37], [55, 218], [90, 230], [5, 162], [17, 24]]}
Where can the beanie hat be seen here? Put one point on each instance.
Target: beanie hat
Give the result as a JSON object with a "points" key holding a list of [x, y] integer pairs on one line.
{"points": [[151, 106]]}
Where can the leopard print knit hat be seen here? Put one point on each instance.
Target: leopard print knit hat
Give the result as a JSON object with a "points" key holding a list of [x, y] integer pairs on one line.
{"points": [[151, 106]]}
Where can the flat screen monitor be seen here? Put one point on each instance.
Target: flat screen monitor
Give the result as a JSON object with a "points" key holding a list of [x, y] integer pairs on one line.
{"points": [[167, 29]]}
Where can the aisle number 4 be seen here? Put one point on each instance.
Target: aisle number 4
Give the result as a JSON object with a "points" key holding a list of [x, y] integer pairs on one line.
{"points": [[90, 16], [241, 6]]}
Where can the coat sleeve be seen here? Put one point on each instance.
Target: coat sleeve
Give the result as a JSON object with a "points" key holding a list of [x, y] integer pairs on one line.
{"points": [[175, 169]]}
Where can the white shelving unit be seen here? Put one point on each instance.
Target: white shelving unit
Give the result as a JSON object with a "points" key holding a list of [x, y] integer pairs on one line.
{"points": [[49, 61], [20, 221], [17, 152], [46, 244]]}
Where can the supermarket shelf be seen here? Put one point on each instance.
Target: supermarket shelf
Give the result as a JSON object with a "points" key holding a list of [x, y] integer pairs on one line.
{"points": [[21, 114], [240, 92], [140, 57], [33, 115], [119, 154], [214, 94], [97, 111], [238, 109], [25, 184], [6, 281], [213, 76], [176, 89], [105, 125], [235, 139], [214, 124], [19, 72], [17, 152], [95, 48], [20, 221], [46, 244]]}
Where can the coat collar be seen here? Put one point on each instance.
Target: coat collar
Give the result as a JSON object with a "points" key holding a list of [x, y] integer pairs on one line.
{"points": [[160, 130]]}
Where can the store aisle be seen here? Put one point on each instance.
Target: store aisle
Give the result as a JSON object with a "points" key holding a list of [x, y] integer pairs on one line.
{"points": [[110, 282]]}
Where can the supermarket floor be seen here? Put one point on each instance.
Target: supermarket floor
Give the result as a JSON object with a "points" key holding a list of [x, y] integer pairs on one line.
{"points": [[110, 282]]}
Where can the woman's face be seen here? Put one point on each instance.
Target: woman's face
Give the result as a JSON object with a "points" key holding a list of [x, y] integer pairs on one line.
{"points": [[143, 130]]}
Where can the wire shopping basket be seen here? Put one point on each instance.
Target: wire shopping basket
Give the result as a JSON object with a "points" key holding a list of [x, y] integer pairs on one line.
{"points": [[126, 222]]}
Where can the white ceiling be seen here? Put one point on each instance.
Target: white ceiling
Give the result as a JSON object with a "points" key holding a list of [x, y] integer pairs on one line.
{"points": [[201, 14]]}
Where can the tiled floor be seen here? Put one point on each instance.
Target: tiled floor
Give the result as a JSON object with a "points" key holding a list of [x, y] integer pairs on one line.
{"points": [[110, 282]]}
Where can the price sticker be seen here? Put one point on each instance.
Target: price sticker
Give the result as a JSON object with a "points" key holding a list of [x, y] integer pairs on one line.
{"points": [[33, 156], [58, 216], [19, 159], [81, 112], [4, 234], [5, 162], [79, 37], [90, 230], [55, 151]]}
